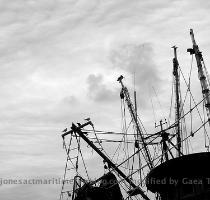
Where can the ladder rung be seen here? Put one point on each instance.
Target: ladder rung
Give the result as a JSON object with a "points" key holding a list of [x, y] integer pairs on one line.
{"points": [[72, 158], [70, 168], [73, 149]]}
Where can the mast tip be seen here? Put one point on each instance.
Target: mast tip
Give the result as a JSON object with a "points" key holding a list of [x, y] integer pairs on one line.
{"points": [[120, 78], [191, 31]]}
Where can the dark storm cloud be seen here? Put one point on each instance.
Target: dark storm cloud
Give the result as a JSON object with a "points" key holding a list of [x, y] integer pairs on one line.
{"points": [[98, 91], [138, 59]]}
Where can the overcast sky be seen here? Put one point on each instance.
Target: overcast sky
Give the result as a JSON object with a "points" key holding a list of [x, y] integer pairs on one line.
{"points": [[59, 62]]}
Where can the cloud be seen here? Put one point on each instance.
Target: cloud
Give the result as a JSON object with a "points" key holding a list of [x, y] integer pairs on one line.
{"points": [[32, 191], [98, 91], [138, 59], [57, 60]]}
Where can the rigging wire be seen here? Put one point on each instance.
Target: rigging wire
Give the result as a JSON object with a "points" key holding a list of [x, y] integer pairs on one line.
{"points": [[161, 108], [144, 129], [78, 142], [123, 122], [109, 132], [205, 138], [172, 94], [158, 136], [169, 149], [153, 110], [186, 137], [182, 140], [66, 165], [99, 142], [166, 151], [194, 102], [195, 106], [125, 149]]}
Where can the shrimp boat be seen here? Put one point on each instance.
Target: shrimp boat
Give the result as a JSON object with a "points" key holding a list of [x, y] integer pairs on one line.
{"points": [[142, 165]]}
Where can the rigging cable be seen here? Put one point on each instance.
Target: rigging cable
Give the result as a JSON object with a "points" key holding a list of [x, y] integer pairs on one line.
{"points": [[78, 142], [66, 165], [194, 101], [172, 146], [99, 141], [109, 132], [168, 149], [158, 101], [125, 131], [153, 110], [205, 138], [172, 96], [160, 155]]}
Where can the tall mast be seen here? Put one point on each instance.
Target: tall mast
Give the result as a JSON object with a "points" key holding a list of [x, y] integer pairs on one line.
{"points": [[136, 112], [202, 74], [177, 93], [125, 93]]}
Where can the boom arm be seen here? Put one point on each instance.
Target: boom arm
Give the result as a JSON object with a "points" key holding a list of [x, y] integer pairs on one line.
{"points": [[75, 129]]}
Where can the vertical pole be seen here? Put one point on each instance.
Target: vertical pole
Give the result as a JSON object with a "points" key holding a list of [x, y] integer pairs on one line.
{"points": [[202, 73], [177, 91], [139, 156]]}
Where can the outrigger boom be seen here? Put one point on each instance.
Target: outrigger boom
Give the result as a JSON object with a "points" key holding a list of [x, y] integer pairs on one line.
{"points": [[77, 129]]}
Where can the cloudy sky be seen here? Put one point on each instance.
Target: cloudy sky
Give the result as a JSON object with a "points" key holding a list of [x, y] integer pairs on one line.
{"points": [[59, 62]]}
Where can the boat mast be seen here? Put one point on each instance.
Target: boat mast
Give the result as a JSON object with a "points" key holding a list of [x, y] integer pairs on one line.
{"points": [[125, 93], [136, 112], [77, 129], [202, 73], [177, 93]]}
